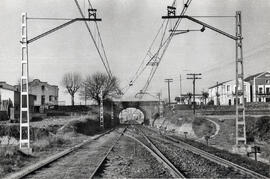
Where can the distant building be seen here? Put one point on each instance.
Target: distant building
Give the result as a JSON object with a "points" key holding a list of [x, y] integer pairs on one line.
{"points": [[6, 96], [189, 99], [45, 94], [224, 93], [10, 100], [259, 87]]}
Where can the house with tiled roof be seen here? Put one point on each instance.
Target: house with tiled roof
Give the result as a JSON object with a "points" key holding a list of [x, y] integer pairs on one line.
{"points": [[45, 94], [224, 93], [259, 87], [10, 101]]}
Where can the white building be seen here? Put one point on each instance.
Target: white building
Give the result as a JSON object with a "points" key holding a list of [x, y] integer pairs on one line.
{"points": [[224, 93], [44, 94], [260, 87], [6, 96]]}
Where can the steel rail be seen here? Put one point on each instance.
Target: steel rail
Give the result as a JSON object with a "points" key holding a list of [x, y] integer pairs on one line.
{"points": [[159, 153], [32, 168], [160, 157], [106, 155], [213, 157]]}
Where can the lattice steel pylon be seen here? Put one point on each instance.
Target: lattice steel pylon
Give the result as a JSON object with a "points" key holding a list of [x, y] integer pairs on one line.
{"points": [[24, 97], [239, 90], [101, 117]]}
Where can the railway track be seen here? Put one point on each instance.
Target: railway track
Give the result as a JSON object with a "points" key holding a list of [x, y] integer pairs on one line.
{"points": [[81, 161], [160, 157], [205, 154], [30, 171], [76, 163], [153, 151], [215, 158]]}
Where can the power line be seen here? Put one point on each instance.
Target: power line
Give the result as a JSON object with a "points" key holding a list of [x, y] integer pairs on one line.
{"points": [[48, 18], [152, 57], [251, 53], [97, 27], [92, 37], [141, 69], [213, 16], [165, 45]]}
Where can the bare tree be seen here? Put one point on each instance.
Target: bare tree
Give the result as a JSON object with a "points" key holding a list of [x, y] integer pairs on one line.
{"points": [[72, 82], [94, 84]]}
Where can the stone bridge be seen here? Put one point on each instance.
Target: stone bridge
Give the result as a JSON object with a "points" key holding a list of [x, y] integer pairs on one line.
{"points": [[148, 108]]}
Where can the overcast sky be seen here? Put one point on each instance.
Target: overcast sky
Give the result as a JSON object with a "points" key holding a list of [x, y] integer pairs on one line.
{"points": [[128, 28]]}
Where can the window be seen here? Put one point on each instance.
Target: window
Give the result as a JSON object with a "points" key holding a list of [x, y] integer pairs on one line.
{"points": [[35, 97], [260, 90], [267, 90], [42, 87], [260, 100], [267, 81], [223, 87], [42, 100], [228, 87], [50, 98]]}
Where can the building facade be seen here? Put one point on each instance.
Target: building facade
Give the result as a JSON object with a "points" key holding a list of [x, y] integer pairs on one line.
{"points": [[45, 94], [259, 87], [10, 101], [224, 93], [6, 96], [188, 99]]}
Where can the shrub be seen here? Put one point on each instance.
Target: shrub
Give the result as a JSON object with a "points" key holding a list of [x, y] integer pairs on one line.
{"points": [[211, 102], [50, 142], [3, 116]]}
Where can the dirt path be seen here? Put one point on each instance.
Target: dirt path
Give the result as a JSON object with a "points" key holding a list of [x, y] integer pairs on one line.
{"points": [[217, 128]]}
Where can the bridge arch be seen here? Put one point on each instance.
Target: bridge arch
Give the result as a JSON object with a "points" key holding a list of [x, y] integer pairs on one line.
{"points": [[132, 114], [148, 108]]}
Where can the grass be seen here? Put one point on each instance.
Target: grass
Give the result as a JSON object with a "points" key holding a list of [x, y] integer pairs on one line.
{"points": [[258, 167], [11, 159], [203, 127], [50, 142]]}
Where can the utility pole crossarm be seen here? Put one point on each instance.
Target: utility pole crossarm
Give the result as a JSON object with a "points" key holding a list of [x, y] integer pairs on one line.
{"points": [[203, 24], [60, 27], [194, 78]]}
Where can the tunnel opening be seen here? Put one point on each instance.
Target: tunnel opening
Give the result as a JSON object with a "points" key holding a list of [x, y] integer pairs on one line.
{"points": [[131, 116]]}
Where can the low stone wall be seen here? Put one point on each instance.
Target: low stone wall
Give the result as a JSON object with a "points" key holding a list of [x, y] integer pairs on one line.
{"points": [[251, 109]]}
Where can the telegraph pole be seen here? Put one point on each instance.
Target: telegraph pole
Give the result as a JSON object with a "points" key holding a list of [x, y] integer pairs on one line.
{"points": [[160, 106], [24, 97], [112, 115], [217, 94], [24, 89], [101, 117], [194, 77], [169, 95], [240, 108]]}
